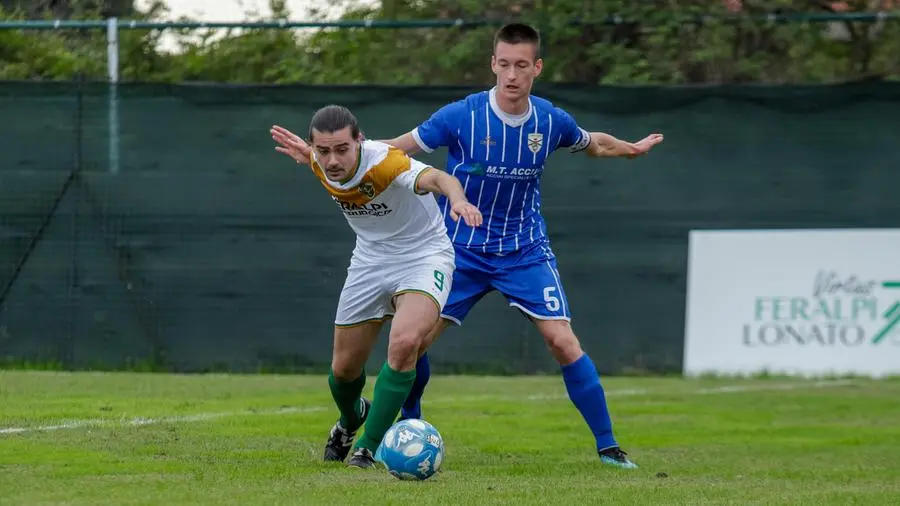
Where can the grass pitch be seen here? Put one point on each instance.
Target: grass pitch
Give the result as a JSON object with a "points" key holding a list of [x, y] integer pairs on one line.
{"points": [[127, 438]]}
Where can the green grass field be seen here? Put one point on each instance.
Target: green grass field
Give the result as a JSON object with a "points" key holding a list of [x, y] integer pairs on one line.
{"points": [[127, 438]]}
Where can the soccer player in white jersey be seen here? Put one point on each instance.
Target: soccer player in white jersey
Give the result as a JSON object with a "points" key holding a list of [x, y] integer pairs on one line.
{"points": [[402, 265], [498, 142]]}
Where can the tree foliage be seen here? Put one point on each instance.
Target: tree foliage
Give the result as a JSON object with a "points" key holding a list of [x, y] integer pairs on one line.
{"points": [[656, 42]]}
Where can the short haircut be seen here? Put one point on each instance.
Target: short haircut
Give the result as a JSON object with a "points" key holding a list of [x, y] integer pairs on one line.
{"points": [[519, 33], [332, 118]]}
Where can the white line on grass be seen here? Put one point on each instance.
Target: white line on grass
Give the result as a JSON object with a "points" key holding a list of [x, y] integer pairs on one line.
{"points": [[201, 417], [135, 422], [727, 389]]}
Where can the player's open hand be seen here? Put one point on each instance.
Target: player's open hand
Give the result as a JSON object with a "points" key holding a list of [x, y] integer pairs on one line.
{"points": [[291, 144], [644, 145], [470, 214]]}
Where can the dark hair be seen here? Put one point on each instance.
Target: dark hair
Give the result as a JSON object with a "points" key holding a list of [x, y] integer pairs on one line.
{"points": [[332, 118], [519, 33]]}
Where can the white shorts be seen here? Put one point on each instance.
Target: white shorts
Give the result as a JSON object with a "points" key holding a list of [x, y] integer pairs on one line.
{"points": [[369, 290]]}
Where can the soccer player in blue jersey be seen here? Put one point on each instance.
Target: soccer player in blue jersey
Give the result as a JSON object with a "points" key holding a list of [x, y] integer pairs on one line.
{"points": [[498, 142]]}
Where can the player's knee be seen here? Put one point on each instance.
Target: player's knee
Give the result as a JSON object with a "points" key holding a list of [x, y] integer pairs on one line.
{"points": [[561, 340], [344, 371], [403, 349]]}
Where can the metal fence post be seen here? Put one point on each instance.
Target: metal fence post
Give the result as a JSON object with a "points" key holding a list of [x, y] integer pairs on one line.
{"points": [[112, 63]]}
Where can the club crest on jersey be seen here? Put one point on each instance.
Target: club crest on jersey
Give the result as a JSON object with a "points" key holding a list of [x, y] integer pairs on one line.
{"points": [[535, 142], [367, 189]]}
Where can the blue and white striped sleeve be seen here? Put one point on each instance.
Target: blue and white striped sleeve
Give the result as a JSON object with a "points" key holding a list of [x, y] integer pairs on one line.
{"points": [[572, 136], [439, 130]]}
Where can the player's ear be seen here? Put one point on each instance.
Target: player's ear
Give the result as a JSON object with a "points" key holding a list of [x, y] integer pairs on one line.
{"points": [[538, 67]]}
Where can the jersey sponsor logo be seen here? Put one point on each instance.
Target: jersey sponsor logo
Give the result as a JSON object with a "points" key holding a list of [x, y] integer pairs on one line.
{"points": [[519, 173], [535, 142], [370, 209]]}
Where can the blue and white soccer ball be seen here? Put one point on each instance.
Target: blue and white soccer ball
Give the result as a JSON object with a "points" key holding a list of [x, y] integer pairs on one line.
{"points": [[411, 450]]}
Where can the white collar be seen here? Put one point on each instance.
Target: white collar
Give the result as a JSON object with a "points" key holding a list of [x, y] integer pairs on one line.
{"points": [[514, 121]]}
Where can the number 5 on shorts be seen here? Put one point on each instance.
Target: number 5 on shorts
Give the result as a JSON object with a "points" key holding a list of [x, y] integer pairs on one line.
{"points": [[550, 299], [439, 280]]}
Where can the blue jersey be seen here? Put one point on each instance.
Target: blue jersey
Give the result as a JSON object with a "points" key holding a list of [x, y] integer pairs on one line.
{"points": [[499, 159]]}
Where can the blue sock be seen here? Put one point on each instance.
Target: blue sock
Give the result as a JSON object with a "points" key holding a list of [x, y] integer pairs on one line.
{"points": [[412, 408], [583, 386]]}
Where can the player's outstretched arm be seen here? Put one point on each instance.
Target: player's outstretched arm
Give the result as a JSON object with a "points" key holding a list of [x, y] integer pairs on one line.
{"points": [[291, 144], [438, 181], [608, 146], [406, 143]]}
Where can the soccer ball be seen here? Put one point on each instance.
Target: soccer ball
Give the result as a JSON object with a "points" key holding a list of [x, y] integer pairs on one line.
{"points": [[412, 450]]}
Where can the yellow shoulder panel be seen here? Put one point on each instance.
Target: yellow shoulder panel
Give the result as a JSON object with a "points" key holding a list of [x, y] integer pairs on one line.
{"points": [[382, 174]]}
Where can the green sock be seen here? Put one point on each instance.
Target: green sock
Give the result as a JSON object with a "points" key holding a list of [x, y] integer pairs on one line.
{"points": [[391, 389], [346, 396]]}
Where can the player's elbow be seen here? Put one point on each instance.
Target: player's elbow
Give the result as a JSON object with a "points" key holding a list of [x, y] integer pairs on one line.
{"points": [[598, 151], [601, 145], [434, 181]]}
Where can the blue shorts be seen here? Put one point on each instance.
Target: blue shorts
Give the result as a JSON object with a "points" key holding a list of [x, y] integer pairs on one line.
{"points": [[528, 278]]}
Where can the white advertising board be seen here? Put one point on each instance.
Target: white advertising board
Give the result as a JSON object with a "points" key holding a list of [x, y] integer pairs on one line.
{"points": [[795, 302]]}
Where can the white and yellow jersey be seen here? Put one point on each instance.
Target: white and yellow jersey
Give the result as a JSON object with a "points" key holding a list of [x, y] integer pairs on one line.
{"points": [[393, 222]]}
